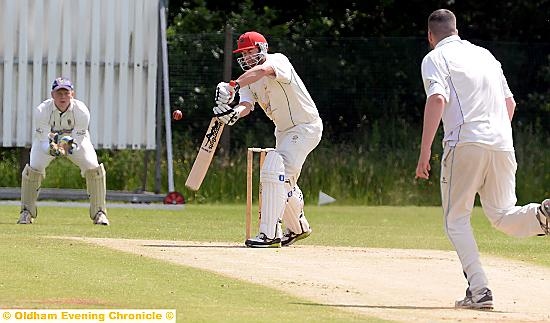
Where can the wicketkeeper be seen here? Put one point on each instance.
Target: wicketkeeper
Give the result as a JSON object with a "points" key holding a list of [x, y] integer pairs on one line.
{"points": [[62, 131], [271, 81]]}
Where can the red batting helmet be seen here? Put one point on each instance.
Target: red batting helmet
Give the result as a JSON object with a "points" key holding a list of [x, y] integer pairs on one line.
{"points": [[250, 40], [247, 41]]}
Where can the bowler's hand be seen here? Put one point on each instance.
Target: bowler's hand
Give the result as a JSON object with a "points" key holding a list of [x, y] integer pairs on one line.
{"points": [[423, 167]]}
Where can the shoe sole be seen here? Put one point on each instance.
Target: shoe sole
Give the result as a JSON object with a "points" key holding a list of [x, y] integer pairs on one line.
{"points": [[477, 306], [253, 245], [263, 246], [298, 238]]}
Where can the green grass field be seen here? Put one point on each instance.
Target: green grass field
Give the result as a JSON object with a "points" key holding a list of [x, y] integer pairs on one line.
{"points": [[42, 272]]}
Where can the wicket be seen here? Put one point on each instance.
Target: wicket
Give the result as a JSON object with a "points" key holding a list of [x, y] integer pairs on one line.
{"points": [[249, 190]]}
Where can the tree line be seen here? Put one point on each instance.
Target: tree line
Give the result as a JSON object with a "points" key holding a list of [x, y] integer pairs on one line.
{"points": [[359, 60]]}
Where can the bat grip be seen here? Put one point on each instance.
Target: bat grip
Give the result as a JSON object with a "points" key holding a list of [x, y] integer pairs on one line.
{"points": [[234, 84]]}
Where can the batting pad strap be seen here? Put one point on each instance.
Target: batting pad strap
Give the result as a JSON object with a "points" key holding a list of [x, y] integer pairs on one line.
{"points": [[96, 187], [273, 169], [293, 217]]}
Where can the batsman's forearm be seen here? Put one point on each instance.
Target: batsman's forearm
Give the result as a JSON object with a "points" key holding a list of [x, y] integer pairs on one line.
{"points": [[432, 117], [243, 109], [254, 74]]}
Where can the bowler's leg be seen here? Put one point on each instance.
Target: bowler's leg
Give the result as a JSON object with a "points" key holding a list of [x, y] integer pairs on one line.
{"points": [[498, 197], [462, 171]]}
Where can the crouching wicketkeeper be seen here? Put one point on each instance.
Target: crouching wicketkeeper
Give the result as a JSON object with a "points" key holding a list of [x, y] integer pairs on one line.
{"points": [[62, 131]]}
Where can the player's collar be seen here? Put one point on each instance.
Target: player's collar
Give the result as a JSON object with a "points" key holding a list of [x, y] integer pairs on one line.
{"points": [[447, 40], [70, 107]]}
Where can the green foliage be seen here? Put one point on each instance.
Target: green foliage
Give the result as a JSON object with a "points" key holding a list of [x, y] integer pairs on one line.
{"points": [[358, 84], [367, 86], [63, 173], [360, 62], [9, 168], [367, 173]]}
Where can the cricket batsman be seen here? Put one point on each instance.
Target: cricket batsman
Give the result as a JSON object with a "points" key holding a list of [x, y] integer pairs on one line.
{"points": [[271, 81]]}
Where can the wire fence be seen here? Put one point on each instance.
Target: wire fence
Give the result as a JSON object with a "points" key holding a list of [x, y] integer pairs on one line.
{"points": [[363, 87]]}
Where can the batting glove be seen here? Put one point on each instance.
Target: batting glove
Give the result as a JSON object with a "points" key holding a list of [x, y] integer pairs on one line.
{"points": [[225, 92], [226, 114]]}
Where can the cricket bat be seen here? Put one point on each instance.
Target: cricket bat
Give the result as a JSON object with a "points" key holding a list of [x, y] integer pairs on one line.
{"points": [[205, 154]]}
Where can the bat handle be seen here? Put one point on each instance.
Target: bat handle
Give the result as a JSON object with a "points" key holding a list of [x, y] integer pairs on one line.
{"points": [[234, 84]]}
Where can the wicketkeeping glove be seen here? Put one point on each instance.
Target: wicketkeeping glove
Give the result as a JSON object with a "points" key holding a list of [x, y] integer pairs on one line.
{"points": [[67, 144], [61, 146], [54, 149], [226, 114]]}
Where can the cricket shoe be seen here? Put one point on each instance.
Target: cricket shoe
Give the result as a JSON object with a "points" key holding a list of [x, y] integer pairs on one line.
{"points": [[543, 215], [262, 241], [101, 218], [290, 237], [25, 217], [480, 301]]}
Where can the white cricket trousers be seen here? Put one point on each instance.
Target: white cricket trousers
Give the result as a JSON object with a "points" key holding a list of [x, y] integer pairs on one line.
{"points": [[295, 144], [85, 157], [468, 169]]}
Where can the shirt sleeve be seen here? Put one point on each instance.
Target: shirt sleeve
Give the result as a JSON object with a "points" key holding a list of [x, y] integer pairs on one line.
{"points": [[505, 87], [434, 78], [282, 67], [41, 122], [42, 128], [81, 123], [245, 95]]}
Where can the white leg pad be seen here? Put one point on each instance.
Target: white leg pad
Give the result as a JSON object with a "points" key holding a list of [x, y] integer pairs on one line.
{"points": [[30, 187], [97, 189], [274, 195], [294, 217]]}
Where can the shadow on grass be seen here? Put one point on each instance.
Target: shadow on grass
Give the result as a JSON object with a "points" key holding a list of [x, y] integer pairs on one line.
{"points": [[397, 307], [192, 246]]}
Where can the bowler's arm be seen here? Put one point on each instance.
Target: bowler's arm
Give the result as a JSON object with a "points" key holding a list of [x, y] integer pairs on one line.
{"points": [[433, 111], [510, 106]]}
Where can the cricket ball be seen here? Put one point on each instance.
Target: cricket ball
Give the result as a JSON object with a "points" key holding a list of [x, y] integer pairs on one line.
{"points": [[177, 115]]}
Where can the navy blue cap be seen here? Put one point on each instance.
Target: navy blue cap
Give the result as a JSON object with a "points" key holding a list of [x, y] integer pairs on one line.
{"points": [[62, 83]]}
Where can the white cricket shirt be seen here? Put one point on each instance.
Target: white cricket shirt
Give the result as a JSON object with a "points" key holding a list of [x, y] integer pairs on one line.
{"points": [[475, 89], [284, 98], [74, 121]]}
